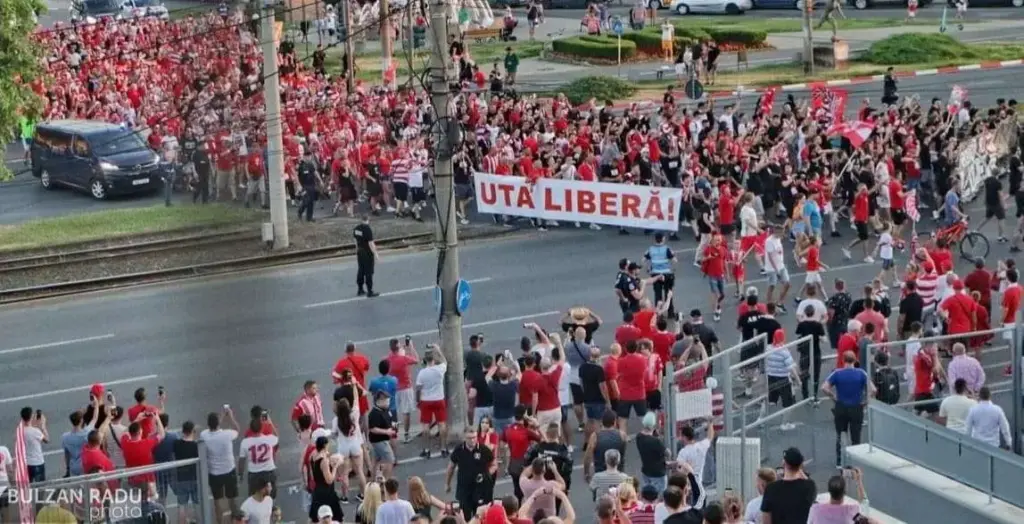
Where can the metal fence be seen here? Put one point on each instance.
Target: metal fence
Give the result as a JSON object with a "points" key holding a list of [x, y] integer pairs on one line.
{"points": [[996, 472], [128, 496]]}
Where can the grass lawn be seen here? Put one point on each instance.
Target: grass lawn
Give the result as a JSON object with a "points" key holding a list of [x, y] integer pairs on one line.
{"points": [[102, 225], [369, 64], [788, 25]]}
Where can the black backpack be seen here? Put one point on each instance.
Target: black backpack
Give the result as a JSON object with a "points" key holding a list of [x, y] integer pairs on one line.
{"points": [[887, 382]]}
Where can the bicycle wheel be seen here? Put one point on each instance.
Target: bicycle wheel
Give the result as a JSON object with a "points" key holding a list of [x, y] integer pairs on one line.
{"points": [[973, 246]]}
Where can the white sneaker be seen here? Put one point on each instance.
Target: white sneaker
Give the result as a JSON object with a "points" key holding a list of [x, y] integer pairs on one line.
{"points": [[869, 260], [595, 227], [578, 225], [846, 254], [464, 222]]}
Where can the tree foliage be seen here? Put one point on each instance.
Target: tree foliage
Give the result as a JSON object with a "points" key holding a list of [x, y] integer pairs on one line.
{"points": [[19, 65]]}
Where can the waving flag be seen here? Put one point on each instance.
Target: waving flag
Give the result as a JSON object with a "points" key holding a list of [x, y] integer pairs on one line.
{"points": [[766, 102], [857, 131], [957, 95], [910, 202], [21, 476], [828, 105]]}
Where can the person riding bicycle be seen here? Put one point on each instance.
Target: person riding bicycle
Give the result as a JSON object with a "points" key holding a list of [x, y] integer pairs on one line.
{"points": [[951, 210]]}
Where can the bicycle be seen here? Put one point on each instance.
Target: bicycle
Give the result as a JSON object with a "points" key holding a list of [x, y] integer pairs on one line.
{"points": [[972, 244]]}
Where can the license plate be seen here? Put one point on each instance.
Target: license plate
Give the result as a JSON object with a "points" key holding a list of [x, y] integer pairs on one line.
{"points": [[140, 181]]}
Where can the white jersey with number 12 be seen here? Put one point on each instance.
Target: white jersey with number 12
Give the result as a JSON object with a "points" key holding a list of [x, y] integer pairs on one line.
{"points": [[258, 451]]}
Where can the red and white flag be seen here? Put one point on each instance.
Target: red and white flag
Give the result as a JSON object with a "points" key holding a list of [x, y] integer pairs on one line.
{"points": [[21, 476], [857, 131], [957, 96], [910, 203], [828, 105]]}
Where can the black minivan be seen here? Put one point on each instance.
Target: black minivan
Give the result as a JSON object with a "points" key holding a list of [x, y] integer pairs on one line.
{"points": [[100, 158]]}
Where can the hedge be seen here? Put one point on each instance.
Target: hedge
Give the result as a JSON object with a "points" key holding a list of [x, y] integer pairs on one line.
{"points": [[594, 47], [602, 88], [736, 36], [915, 48], [649, 39]]}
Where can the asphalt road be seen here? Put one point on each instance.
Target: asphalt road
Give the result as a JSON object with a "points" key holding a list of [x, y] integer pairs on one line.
{"points": [[255, 337], [930, 12]]}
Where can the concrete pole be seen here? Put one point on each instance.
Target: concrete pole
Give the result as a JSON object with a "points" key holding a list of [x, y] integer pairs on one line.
{"points": [[441, 75], [350, 59], [275, 141], [387, 38], [809, 37]]}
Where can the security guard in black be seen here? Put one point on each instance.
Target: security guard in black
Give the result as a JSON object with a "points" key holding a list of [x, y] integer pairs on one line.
{"points": [[473, 463], [366, 257]]}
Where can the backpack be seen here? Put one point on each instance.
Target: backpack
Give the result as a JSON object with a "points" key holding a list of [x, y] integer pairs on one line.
{"points": [[887, 382]]}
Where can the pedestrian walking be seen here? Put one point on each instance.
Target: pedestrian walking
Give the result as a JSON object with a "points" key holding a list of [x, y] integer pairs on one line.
{"points": [[366, 257]]}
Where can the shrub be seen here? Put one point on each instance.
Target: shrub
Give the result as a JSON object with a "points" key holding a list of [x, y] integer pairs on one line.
{"points": [[594, 47], [912, 48], [649, 40], [600, 87], [733, 35], [694, 34]]}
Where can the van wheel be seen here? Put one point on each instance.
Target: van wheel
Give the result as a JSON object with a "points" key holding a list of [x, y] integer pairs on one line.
{"points": [[44, 179], [732, 9], [683, 9], [97, 189], [861, 4], [1017, 3]]}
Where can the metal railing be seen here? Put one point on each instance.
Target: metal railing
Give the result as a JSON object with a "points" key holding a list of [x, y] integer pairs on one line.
{"points": [[996, 472]]}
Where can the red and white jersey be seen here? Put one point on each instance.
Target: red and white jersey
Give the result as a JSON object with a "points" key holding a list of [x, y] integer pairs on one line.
{"points": [[490, 163], [718, 410], [927, 288], [258, 451], [401, 166], [311, 406], [374, 132]]}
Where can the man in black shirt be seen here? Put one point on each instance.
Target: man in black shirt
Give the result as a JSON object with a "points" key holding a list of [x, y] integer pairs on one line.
{"points": [[766, 324], [474, 464], [911, 310], [483, 400], [994, 207], [622, 285], [595, 390], [307, 176], [789, 499], [366, 257], [810, 353], [382, 428], [204, 170]]}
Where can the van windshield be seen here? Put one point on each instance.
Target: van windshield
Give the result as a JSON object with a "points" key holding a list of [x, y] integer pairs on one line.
{"points": [[101, 5], [146, 3], [115, 142]]}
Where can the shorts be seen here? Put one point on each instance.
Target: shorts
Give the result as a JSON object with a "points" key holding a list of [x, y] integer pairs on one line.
{"points": [[780, 389], [666, 46], [26, 143], [813, 277], [37, 473], [418, 194], [997, 213], [780, 276], [565, 413], [401, 190], [930, 408], [186, 492], [654, 400], [727, 229], [750, 243], [373, 188], [224, 486], [577, 394], [548, 417], [433, 411], [659, 483], [862, 230], [406, 401], [256, 478], [717, 285], [887, 264], [595, 410], [501, 423], [382, 452], [639, 407], [350, 446], [463, 191], [750, 351], [899, 217], [480, 413]]}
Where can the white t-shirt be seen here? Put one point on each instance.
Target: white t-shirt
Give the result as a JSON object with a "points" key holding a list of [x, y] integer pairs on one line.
{"points": [[430, 380], [820, 311], [5, 462], [775, 254], [667, 32], [564, 390], [695, 455], [912, 347], [753, 512], [748, 221], [954, 409], [219, 446], [258, 512], [258, 452], [34, 446], [544, 350], [885, 246]]}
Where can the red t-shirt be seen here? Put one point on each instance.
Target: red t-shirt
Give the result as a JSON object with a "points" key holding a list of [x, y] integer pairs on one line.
{"points": [[632, 368], [713, 263], [923, 364], [895, 199], [145, 422], [663, 342], [643, 320], [848, 342], [138, 453], [627, 333], [959, 307], [95, 458], [399, 368], [519, 438], [547, 395], [813, 259], [530, 383], [1011, 303], [943, 260], [726, 208], [860, 207], [611, 373], [357, 363]]}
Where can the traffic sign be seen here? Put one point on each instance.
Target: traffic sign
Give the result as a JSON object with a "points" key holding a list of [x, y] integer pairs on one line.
{"points": [[463, 296], [437, 300], [617, 27], [694, 89]]}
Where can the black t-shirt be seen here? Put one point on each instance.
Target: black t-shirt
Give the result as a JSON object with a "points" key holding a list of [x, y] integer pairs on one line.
{"points": [[810, 328], [474, 363], [184, 450], [307, 173], [706, 334], [484, 399], [992, 188], [857, 307], [504, 398], [702, 210], [1016, 174], [363, 236], [590, 328], [766, 325], [912, 309], [471, 464], [591, 377], [789, 501], [379, 419], [652, 455], [559, 454], [747, 323]]}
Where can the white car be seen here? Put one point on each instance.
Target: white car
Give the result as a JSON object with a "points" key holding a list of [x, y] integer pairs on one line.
{"points": [[730, 7], [141, 8]]}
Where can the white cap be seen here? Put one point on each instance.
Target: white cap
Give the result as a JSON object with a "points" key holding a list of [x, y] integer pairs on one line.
{"points": [[324, 512], [317, 433]]}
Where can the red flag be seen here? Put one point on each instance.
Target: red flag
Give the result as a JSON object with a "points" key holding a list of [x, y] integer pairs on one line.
{"points": [[857, 132], [21, 476], [828, 105], [767, 102], [910, 203]]}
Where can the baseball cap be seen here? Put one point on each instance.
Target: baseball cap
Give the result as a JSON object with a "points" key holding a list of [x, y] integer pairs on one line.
{"points": [[793, 458], [495, 515], [779, 337], [958, 284], [324, 512], [97, 390]]}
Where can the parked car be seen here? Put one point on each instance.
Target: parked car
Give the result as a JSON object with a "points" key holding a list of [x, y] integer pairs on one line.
{"points": [[865, 4], [96, 9], [787, 4], [990, 3], [141, 8], [729, 7], [99, 158]]}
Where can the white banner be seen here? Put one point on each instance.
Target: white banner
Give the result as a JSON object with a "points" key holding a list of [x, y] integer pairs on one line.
{"points": [[576, 201]]}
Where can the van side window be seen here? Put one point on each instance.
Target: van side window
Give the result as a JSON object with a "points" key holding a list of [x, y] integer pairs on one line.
{"points": [[81, 147], [56, 143]]}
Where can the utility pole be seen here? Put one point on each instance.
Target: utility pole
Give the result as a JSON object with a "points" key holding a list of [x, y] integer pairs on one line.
{"points": [[809, 37], [386, 40], [275, 141], [346, 36], [441, 75]]}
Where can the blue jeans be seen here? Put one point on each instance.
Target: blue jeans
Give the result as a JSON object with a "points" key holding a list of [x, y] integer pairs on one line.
{"points": [[659, 483]]}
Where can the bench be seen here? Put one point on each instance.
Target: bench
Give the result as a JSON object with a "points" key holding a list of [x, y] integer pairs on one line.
{"points": [[485, 34]]}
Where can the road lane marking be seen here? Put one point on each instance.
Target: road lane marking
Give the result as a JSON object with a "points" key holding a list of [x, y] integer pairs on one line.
{"points": [[58, 344], [388, 294], [76, 389], [464, 326]]}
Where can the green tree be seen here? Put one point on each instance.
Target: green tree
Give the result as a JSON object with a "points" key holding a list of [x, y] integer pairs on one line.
{"points": [[19, 66]]}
